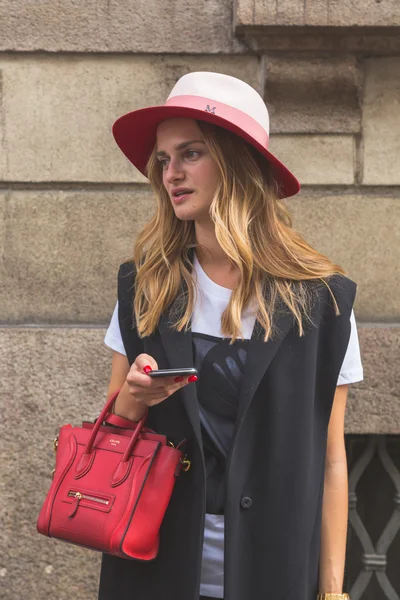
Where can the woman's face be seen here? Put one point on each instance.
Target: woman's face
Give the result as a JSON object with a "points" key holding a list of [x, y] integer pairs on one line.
{"points": [[190, 174]]}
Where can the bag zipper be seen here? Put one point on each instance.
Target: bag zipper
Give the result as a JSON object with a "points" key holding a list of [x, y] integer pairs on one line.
{"points": [[80, 496]]}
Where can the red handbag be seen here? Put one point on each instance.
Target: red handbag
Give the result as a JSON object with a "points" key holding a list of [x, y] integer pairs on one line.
{"points": [[111, 487]]}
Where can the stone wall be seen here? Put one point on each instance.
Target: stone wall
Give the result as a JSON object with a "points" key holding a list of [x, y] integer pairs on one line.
{"points": [[71, 206]]}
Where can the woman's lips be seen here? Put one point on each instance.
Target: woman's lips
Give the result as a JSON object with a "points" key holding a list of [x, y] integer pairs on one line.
{"points": [[181, 198]]}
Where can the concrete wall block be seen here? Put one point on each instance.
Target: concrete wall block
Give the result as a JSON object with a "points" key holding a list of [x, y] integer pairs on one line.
{"points": [[374, 404], [62, 250], [69, 274], [50, 377], [381, 122], [118, 26], [3, 153], [316, 12], [368, 13], [58, 112], [317, 159], [287, 12], [243, 12], [322, 13], [313, 95], [361, 234]]}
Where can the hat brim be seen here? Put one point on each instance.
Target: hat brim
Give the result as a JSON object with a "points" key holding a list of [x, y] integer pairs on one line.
{"points": [[136, 134]]}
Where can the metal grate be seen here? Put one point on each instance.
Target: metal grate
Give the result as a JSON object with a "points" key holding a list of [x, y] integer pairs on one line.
{"points": [[373, 544]]}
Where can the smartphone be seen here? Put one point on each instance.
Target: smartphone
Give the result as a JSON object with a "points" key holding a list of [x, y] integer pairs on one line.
{"points": [[186, 372]]}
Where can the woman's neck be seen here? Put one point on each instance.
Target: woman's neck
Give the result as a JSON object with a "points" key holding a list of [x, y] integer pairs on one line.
{"points": [[213, 260]]}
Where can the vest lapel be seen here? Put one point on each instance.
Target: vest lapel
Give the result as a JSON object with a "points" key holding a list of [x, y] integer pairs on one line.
{"points": [[259, 358]]}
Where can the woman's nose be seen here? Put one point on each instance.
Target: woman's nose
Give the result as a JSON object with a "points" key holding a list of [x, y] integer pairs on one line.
{"points": [[174, 171]]}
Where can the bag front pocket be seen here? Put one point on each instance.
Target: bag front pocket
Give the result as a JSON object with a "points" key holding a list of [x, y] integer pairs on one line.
{"points": [[86, 499]]}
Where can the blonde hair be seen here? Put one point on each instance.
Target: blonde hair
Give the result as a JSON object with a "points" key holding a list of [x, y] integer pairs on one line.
{"points": [[254, 229]]}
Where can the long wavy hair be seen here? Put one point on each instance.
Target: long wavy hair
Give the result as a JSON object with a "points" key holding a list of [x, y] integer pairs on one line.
{"points": [[254, 229]]}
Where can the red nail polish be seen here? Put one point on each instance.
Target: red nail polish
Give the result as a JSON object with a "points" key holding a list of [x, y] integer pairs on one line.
{"points": [[192, 378], [147, 369], [178, 379]]}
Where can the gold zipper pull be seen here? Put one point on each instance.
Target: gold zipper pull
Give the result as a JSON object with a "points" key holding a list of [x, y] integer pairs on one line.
{"points": [[75, 504]]}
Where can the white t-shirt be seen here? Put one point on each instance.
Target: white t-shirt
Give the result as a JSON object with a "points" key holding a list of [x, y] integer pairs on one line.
{"points": [[206, 326]]}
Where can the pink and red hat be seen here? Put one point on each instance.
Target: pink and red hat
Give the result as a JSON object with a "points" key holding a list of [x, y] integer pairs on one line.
{"points": [[212, 97]]}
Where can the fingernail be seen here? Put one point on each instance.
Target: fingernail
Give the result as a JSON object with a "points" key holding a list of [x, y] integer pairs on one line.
{"points": [[192, 378], [178, 379], [147, 369]]}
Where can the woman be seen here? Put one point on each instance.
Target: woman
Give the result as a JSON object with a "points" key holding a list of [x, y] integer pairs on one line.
{"points": [[221, 281]]}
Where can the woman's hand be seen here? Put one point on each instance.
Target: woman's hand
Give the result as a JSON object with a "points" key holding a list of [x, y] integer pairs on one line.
{"points": [[137, 389], [147, 391]]}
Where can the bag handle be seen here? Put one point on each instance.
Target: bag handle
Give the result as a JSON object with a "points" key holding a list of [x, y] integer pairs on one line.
{"points": [[106, 410]]}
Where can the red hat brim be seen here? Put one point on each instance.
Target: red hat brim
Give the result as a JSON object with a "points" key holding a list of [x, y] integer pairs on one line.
{"points": [[136, 133]]}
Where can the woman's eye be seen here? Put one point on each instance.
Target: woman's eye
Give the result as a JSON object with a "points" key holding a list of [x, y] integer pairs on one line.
{"points": [[163, 162], [192, 153]]}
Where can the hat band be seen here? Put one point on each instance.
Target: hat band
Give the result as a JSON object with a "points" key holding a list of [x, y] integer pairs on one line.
{"points": [[233, 115]]}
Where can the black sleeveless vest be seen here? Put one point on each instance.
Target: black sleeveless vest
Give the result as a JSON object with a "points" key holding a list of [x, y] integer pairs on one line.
{"points": [[275, 471]]}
